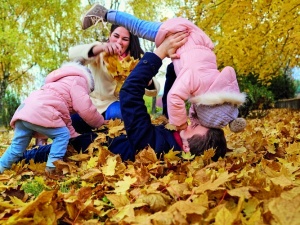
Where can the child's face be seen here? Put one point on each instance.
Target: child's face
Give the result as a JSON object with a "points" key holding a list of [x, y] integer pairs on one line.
{"points": [[122, 36], [189, 132]]}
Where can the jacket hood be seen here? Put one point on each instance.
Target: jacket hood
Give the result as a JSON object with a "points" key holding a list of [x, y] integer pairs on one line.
{"points": [[71, 69]]}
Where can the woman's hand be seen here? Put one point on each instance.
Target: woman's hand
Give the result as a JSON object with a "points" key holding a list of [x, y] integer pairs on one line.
{"points": [[112, 48], [170, 45]]}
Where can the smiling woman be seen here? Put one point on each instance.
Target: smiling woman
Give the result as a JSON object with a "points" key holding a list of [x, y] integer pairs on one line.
{"points": [[121, 45]]}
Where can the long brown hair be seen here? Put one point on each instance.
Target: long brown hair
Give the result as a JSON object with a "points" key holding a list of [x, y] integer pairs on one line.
{"points": [[214, 138], [134, 48]]}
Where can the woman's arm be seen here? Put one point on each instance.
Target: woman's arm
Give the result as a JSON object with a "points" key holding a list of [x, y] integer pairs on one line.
{"points": [[85, 53], [80, 53]]}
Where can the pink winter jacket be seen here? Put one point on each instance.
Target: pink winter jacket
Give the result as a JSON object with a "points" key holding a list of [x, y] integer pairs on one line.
{"points": [[66, 90], [197, 72]]}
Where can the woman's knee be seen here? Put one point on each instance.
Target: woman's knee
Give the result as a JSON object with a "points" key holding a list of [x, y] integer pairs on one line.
{"points": [[113, 111]]}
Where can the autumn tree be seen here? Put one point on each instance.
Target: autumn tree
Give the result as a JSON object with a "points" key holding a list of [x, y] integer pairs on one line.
{"points": [[146, 10], [35, 37], [260, 37]]}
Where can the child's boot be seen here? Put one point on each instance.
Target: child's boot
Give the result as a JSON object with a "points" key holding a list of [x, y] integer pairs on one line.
{"points": [[93, 16]]}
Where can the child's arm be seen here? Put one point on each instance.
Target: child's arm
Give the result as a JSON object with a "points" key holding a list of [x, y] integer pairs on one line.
{"points": [[177, 96], [83, 105]]}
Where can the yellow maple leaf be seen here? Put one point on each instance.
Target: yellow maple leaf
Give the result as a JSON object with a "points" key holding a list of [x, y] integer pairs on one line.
{"points": [[124, 185], [176, 189], [92, 175], [146, 156], [44, 215], [250, 206], [293, 148], [110, 167], [242, 192], [170, 126], [43, 199], [115, 128], [127, 212], [285, 211], [224, 216], [282, 181], [118, 200], [187, 155], [79, 157], [215, 184], [116, 131], [104, 154], [187, 207], [38, 167], [93, 161], [172, 155], [156, 201], [208, 154]]}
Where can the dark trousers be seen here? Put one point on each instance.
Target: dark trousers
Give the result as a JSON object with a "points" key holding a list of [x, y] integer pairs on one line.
{"points": [[170, 79]]}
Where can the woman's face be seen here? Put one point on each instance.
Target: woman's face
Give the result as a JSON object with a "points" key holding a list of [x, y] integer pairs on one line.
{"points": [[189, 132], [121, 35]]}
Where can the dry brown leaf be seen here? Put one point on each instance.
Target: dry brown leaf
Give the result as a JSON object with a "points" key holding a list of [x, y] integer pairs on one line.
{"points": [[146, 156]]}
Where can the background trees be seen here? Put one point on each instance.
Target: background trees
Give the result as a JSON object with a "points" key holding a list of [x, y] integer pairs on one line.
{"points": [[260, 37], [255, 37], [35, 37]]}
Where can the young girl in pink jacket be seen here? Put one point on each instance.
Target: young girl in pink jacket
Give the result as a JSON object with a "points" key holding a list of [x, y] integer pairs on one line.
{"points": [[215, 95], [47, 111]]}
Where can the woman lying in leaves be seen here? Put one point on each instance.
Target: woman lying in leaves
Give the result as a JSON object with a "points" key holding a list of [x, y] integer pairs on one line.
{"points": [[140, 132]]}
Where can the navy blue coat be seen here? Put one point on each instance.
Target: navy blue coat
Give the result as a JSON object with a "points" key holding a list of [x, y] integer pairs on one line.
{"points": [[140, 131]]}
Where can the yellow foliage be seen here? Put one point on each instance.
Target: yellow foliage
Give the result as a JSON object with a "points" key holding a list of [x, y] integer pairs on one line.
{"points": [[248, 184], [119, 69], [258, 37]]}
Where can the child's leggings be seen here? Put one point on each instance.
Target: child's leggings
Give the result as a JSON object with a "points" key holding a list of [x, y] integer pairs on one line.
{"points": [[141, 28]]}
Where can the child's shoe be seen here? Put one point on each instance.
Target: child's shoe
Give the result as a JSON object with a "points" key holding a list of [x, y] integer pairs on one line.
{"points": [[93, 16], [50, 170]]}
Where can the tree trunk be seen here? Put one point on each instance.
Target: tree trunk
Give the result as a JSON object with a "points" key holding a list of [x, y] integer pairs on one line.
{"points": [[153, 108]]}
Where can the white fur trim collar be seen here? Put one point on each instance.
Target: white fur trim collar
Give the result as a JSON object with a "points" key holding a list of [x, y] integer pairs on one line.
{"points": [[215, 98]]}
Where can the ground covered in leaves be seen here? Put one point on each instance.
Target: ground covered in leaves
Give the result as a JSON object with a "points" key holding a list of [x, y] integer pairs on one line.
{"points": [[258, 182]]}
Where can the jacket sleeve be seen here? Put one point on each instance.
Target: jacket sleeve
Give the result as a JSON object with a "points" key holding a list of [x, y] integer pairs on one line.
{"points": [[155, 91], [81, 53], [137, 121], [82, 104], [178, 95]]}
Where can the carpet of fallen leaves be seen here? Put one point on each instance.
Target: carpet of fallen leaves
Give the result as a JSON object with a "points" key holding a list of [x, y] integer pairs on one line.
{"points": [[258, 182]]}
